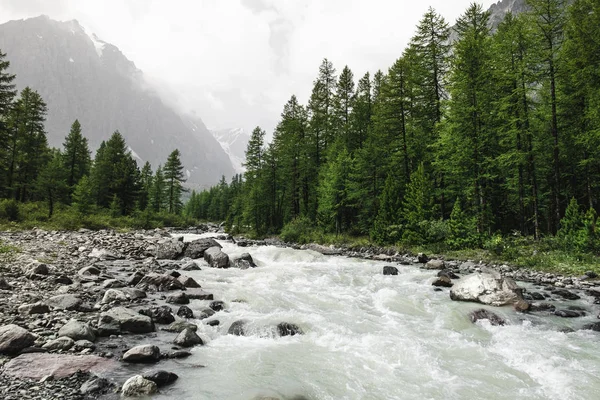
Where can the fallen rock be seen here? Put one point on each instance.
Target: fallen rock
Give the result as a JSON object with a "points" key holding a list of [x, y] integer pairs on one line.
{"points": [[422, 258], [238, 328], [195, 249], [161, 378], [244, 261], [159, 282], [179, 298], [13, 339], [487, 289], [4, 285], [185, 312], [568, 313], [159, 314], [206, 313], [69, 302], [442, 281], [388, 270], [170, 250], [138, 386], [179, 326], [112, 295], [96, 386], [435, 264], [62, 343], [217, 305], [188, 282], [38, 365], [565, 294], [77, 330], [485, 314], [145, 353], [216, 258], [188, 338], [287, 329], [35, 308], [119, 319]]}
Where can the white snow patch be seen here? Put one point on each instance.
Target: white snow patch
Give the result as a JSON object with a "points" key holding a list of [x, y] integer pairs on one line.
{"points": [[188, 173], [98, 44], [134, 154], [71, 59], [152, 141]]}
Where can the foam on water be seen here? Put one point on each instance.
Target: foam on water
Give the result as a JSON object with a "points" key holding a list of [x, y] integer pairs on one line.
{"points": [[370, 336]]}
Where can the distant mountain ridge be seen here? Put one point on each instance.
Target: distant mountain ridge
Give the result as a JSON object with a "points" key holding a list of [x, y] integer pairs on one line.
{"points": [[82, 77], [234, 142]]}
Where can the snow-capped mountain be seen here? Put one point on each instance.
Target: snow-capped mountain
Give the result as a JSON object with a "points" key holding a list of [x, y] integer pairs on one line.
{"points": [[82, 77], [234, 142]]}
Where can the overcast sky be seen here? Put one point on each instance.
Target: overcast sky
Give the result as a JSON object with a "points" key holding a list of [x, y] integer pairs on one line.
{"points": [[236, 62]]}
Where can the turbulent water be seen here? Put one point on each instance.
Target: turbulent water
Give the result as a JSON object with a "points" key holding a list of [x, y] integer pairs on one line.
{"points": [[370, 336]]}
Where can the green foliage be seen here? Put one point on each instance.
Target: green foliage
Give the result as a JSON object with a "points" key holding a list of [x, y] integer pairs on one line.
{"points": [[10, 210], [462, 229], [300, 230], [174, 178]]}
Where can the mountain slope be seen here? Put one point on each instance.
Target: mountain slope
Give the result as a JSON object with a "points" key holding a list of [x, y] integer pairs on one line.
{"points": [[81, 77], [235, 143]]}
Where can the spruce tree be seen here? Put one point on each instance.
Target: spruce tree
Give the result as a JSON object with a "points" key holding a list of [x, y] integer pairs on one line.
{"points": [[83, 196], [76, 155], [343, 106], [145, 186], [51, 183], [158, 192], [417, 207], [174, 178]]}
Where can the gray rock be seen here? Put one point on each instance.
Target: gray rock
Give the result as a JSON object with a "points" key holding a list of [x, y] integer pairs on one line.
{"points": [[112, 295], [188, 338], [145, 353], [185, 312], [96, 386], [170, 250], [435, 264], [422, 258], [180, 326], [35, 308], [77, 330], [113, 283], [442, 281], [38, 365], [568, 313], [134, 293], [120, 319], [37, 268], [565, 294], [89, 273], [287, 329], [103, 254], [134, 278], [188, 282], [217, 305], [196, 248], [84, 344], [159, 282], [485, 288], [238, 328], [216, 258], [161, 378], [178, 298], [191, 266], [13, 339], [68, 302], [138, 386], [62, 343], [206, 313], [485, 314], [4, 285], [389, 270], [244, 261], [159, 314]]}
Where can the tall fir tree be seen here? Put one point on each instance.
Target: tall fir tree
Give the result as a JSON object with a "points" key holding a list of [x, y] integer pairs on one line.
{"points": [[76, 155], [174, 178]]}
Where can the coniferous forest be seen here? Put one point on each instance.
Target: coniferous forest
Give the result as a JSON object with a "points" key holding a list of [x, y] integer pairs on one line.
{"points": [[38, 182], [475, 135]]}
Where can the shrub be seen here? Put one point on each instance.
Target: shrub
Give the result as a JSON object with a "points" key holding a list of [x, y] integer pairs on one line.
{"points": [[10, 210], [299, 230]]}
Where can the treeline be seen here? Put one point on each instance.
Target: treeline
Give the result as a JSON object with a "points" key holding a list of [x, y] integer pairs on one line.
{"points": [[469, 134], [112, 183]]}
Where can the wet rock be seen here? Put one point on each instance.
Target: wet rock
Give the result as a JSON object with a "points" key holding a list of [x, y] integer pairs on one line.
{"points": [[565, 294], [159, 282], [593, 327], [238, 328], [448, 274], [161, 378], [216, 258], [159, 314], [80, 345], [388, 270], [179, 326], [174, 273], [185, 312], [542, 307], [13, 339], [35, 308], [190, 266], [206, 313], [134, 278], [568, 313], [145, 354], [188, 338], [442, 281], [120, 319], [179, 298], [485, 288], [537, 296], [77, 330], [113, 283], [170, 250], [138, 386], [195, 249], [38, 365], [4, 285], [89, 273], [217, 305], [199, 294], [69, 302], [178, 354], [435, 264], [103, 254], [422, 258], [188, 282], [244, 261], [62, 343], [96, 386], [485, 314], [521, 305], [214, 322], [36, 268], [287, 329], [63, 280], [112, 295], [133, 293]]}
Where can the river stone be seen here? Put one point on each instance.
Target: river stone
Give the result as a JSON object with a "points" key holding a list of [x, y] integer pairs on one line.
{"points": [[389, 270], [13, 339], [195, 249], [35, 308], [159, 314], [96, 386], [448, 273], [138, 386], [69, 302], [161, 378], [188, 338], [422, 258], [565, 294], [442, 281], [62, 343], [185, 312], [542, 307], [244, 261], [206, 313], [89, 272], [287, 329], [37, 268], [146, 353], [485, 288], [593, 327], [217, 305], [134, 278], [179, 326], [174, 273], [191, 266], [238, 328], [435, 264], [77, 331], [485, 314], [113, 283], [134, 293], [522, 306], [179, 298], [4, 285], [188, 282], [113, 295], [170, 250], [199, 294], [159, 282], [38, 365], [567, 313], [120, 319], [216, 258]]}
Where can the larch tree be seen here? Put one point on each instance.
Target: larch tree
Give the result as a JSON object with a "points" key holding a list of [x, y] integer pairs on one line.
{"points": [[174, 178]]}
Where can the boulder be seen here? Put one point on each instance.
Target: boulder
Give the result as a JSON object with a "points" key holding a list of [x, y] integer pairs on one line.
{"points": [[134, 278], [159, 282], [89, 273], [422, 258], [113, 283], [145, 353], [195, 249], [214, 322], [487, 289], [13, 339], [188, 338], [4, 285], [84, 344], [522, 306], [485, 314], [542, 307], [435, 264], [188, 282], [170, 250], [448, 273], [35, 308], [179, 298], [103, 254], [36, 268], [388, 270], [185, 312], [592, 327], [191, 266], [442, 281], [133, 293], [244, 261], [138, 386], [217, 305], [96, 386], [38, 365], [238, 328], [180, 326], [287, 329], [568, 313], [206, 313], [565, 294], [216, 258], [62, 343], [69, 302], [161, 378], [159, 314], [112, 295], [119, 319], [77, 330], [199, 294]]}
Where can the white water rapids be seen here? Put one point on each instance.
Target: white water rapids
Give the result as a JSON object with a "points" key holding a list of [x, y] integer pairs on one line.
{"points": [[370, 336]]}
